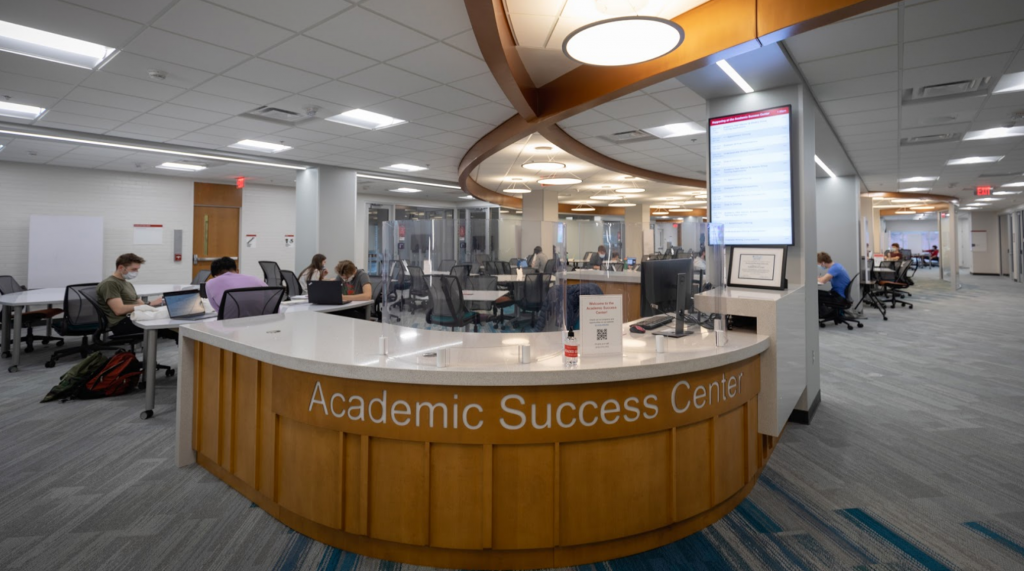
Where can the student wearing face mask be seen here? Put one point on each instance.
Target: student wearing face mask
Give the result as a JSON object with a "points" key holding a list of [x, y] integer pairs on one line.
{"points": [[836, 275], [118, 298], [357, 283], [316, 271]]}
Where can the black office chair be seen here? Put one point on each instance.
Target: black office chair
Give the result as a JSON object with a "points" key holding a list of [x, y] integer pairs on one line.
{"points": [[447, 307], [30, 319], [445, 265], [250, 302], [868, 289], [529, 296], [419, 291], [460, 272], [893, 289], [397, 283], [271, 274], [201, 277], [292, 283], [549, 266], [838, 308], [481, 283], [506, 267], [491, 268]]}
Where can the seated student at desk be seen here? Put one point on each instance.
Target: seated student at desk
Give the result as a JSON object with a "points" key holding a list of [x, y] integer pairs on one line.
{"points": [[836, 275], [934, 253], [538, 259], [700, 262], [357, 287], [316, 271], [225, 276], [893, 255], [117, 295], [597, 260]]}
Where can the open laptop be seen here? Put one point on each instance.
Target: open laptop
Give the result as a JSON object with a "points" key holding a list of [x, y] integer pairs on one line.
{"points": [[326, 293], [186, 305]]}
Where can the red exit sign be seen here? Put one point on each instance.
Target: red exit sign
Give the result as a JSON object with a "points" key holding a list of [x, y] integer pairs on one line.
{"points": [[983, 191]]}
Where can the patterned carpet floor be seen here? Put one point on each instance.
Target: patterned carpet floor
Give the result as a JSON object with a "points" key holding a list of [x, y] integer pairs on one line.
{"points": [[914, 461]]}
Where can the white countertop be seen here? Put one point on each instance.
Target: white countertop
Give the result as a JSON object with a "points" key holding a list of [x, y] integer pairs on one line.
{"points": [[628, 277], [342, 347], [286, 307], [55, 295]]}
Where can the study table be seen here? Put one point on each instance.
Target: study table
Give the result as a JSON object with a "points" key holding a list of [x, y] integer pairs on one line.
{"points": [[481, 461]]}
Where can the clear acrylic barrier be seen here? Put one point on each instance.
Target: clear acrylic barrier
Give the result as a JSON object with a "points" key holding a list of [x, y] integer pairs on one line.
{"points": [[466, 301]]}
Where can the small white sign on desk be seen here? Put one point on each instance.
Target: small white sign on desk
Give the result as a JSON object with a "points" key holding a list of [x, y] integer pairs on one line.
{"points": [[600, 325]]}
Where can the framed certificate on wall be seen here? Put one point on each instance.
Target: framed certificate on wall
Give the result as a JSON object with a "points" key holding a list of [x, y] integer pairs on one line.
{"points": [[757, 267]]}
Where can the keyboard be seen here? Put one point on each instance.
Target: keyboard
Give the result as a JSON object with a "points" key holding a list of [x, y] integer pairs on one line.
{"points": [[655, 322]]}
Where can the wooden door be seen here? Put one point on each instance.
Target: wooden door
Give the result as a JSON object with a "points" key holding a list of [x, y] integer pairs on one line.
{"points": [[215, 224]]}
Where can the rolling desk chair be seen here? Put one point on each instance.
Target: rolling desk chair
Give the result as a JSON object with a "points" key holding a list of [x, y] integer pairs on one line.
{"points": [[868, 288], [447, 306], [250, 302], [461, 273], [419, 291], [529, 296], [201, 277], [292, 283], [893, 289], [31, 319], [549, 266], [271, 274], [445, 265], [839, 308]]}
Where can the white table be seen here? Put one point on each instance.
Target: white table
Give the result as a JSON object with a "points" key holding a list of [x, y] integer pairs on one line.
{"points": [[151, 327], [13, 305], [482, 294]]}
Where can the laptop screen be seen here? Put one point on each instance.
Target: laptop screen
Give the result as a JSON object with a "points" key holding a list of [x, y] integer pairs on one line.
{"points": [[184, 305]]}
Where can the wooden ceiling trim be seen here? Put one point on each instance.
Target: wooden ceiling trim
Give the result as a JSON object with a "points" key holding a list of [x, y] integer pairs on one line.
{"points": [[497, 44]]}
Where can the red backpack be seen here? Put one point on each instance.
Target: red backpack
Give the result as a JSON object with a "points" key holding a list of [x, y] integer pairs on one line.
{"points": [[120, 375]]}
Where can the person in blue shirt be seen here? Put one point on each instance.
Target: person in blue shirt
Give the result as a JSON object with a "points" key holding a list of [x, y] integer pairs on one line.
{"points": [[836, 275]]}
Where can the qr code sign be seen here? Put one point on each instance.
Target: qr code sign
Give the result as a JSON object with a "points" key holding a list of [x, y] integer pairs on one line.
{"points": [[602, 334]]}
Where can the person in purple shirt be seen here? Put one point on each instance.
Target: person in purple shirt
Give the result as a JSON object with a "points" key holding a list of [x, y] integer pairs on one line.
{"points": [[225, 277]]}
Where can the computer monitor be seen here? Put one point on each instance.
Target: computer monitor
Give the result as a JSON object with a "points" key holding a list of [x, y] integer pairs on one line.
{"points": [[630, 263], [523, 264], [667, 287]]}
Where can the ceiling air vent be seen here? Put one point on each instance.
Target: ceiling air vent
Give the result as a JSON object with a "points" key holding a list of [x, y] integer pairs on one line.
{"points": [[628, 137], [929, 139], [282, 116], [953, 89]]}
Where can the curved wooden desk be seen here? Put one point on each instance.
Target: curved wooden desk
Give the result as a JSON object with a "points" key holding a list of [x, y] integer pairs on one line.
{"points": [[518, 466]]}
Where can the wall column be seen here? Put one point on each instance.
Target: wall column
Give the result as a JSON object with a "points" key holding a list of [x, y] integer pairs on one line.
{"points": [[325, 215], [540, 211], [638, 223], [838, 208]]}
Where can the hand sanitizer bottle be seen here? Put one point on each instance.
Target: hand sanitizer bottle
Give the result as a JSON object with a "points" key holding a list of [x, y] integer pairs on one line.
{"points": [[572, 350]]}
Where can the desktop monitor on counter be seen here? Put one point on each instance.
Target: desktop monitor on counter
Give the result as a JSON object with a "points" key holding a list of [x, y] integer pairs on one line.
{"points": [[659, 285]]}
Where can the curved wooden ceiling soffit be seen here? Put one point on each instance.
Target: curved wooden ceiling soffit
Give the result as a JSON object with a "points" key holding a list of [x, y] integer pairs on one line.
{"points": [[715, 30]]}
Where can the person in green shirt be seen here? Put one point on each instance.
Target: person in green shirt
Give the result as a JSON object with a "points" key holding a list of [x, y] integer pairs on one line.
{"points": [[117, 296]]}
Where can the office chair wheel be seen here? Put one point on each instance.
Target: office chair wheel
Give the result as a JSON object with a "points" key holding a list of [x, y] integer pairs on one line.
{"points": [[46, 341], [12, 369], [860, 325], [146, 415], [29, 349], [50, 364], [820, 324], [6, 355], [849, 327], [885, 318], [169, 373], [911, 306], [60, 343]]}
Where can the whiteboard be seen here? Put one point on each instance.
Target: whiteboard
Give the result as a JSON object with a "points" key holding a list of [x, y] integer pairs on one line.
{"points": [[64, 250]]}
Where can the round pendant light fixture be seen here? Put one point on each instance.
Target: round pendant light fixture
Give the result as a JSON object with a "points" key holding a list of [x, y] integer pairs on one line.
{"points": [[559, 180], [630, 190], [518, 188], [544, 166], [621, 202], [674, 210], [623, 41], [583, 208]]}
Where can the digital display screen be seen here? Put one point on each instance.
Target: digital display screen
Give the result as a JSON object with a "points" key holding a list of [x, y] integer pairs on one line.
{"points": [[750, 184]]}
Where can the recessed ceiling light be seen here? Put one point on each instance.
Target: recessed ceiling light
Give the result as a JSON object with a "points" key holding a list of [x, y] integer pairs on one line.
{"points": [[988, 199], [676, 130], [35, 43], [402, 167], [1006, 192], [365, 119], [467, 197], [251, 145], [543, 166], [905, 211], [1010, 82], [1012, 185], [623, 41], [996, 133], [181, 167], [969, 208], [390, 179], [919, 179], [405, 190], [19, 111], [630, 190], [559, 180], [914, 189], [824, 167], [734, 76], [973, 160]]}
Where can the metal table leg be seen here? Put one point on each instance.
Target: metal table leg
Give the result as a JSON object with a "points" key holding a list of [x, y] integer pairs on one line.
{"points": [[6, 311], [49, 323], [149, 370], [16, 350]]}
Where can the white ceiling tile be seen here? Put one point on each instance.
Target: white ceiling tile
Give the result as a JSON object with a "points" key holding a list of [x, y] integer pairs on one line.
{"points": [[142, 11], [167, 123], [380, 137], [90, 110], [588, 116], [270, 74], [563, 28], [131, 86], [448, 122], [254, 125], [213, 24], [366, 33], [317, 57], [390, 80], [453, 139], [859, 64], [33, 85], [189, 113], [438, 18], [98, 97], [466, 41], [419, 144], [948, 16], [541, 7], [603, 128], [628, 107], [862, 103], [241, 90], [154, 135], [157, 133], [864, 117], [880, 127], [678, 98], [476, 132], [975, 43], [389, 150], [75, 119], [860, 34], [532, 30], [441, 62], [666, 85], [136, 66], [545, 65], [295, 15], [483, 85], [303, 103], [208, 139], [27, 99], [491, 113], [305, 135], [403, 109], [881, 83], [658, 119], [212, 103], [955, 71], [228, 132], [70, 20], [166, 46], [446, 98], [331, 128], [345, 94], [34, 67], [413, 130]]}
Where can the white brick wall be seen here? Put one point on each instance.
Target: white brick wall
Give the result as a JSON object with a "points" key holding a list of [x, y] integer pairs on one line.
{"points": [[122, 199], [268, 212]]}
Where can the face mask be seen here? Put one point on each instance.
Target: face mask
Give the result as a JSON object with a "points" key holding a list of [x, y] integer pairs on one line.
{"points": [[821, 267], [131, 275]]}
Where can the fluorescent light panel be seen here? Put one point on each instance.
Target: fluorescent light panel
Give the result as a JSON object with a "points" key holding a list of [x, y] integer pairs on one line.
{"points": [[19, 111], [405, 190], [1012, 184], [48, 46], [181, 167], [1010, 82], [919, 179], [402, 167], [736, 77], [252, 145], [146, 149], [390, 179], [973, 160], [824, 167], [996, 133], [365, 119], [676, 130], [915, 189]]}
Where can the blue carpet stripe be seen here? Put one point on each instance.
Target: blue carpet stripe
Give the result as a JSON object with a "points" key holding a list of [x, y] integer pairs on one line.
{"points": [[297, 545], [861, 518], [996, 536], [756, 517]]}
